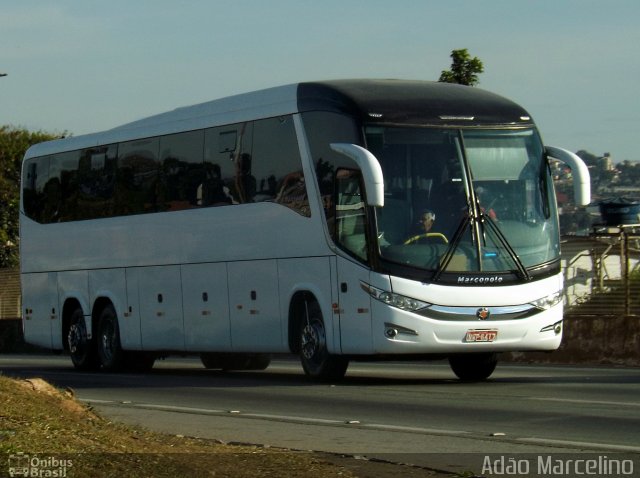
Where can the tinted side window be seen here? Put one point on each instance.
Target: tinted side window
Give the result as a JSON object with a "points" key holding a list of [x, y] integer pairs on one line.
{"points": [[181, 170], [96, 182], [351, 231], [322, 129], [137, 177], [227, 165], [35, 175], [234, 164], [276, 168], [63, 187]]}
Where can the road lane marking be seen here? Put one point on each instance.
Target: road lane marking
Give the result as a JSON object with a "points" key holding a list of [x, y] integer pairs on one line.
{"points": [[548, 442], [580, 444], [403, 429], [292, 419], [281, 418], [587, 402], [175, 408]]}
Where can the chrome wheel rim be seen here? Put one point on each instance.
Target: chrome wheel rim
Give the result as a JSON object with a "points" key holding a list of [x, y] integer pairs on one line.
{"points": [[313, 340]]}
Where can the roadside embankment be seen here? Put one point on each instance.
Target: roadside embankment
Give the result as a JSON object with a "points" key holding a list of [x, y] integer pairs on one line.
{"points": [[592, 340]]}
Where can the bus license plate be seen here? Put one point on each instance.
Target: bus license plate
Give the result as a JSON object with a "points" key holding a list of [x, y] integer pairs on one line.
{"points": [[481, 335]]}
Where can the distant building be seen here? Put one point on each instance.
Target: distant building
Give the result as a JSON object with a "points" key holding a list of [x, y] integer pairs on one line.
{"points": [[605, 163]]}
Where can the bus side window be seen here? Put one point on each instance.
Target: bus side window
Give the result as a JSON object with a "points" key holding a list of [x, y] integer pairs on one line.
{"points": [[137, 177], [96, 182], [181, 170], [350, 213], [277, 167], [34, 180], [227, 164]]}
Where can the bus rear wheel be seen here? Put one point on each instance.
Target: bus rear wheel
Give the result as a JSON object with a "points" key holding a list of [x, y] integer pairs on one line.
{"points": [[316, 360], [473, 367], [110, 353], [140, 362], [81, 349]]}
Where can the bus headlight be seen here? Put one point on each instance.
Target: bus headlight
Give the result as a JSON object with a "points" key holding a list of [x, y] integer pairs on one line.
{"points": [[396, 300], [549, 301]]}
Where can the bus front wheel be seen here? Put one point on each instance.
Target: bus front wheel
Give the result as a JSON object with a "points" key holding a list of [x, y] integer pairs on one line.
{"points": [[109, 350], [316, 360], [81, 348], [473, 367]]}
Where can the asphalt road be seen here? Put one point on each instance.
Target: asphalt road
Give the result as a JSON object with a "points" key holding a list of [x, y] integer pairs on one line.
{"points": [[416, 413]]}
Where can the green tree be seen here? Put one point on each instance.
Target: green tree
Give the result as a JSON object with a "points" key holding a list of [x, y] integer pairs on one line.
{"points": [[14, 142], [464, 69]]}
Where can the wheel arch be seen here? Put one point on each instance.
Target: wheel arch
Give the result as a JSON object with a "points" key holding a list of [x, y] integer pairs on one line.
{"points": [[297, 313], [69, 305]]}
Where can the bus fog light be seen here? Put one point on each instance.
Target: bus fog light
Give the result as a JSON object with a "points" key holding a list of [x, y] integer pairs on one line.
{"points": [[390, 332], [557, 328]]}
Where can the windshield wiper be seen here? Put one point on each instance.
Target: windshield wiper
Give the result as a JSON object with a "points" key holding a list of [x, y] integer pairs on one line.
{"points": [[453, 245], [486, 219], [476, 218]]}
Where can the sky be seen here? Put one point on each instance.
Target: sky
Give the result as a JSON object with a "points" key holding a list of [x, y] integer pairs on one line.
{"points": [[81, 66]]}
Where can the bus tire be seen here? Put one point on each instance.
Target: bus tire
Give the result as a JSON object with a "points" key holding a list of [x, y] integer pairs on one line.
{"points": [[140, 362], [473, 367], [316, 360], [110, 352], [81, 349], [259, 361], [211, 361]]}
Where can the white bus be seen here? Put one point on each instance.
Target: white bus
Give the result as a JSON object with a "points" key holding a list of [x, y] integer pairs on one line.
{"points": [[337, 220]]}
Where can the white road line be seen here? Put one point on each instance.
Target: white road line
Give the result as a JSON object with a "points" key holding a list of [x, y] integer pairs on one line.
{"points": [[283, 418], [400, 428], [287, 418], [175, 408], [580, 444], [95, 400], [587, 402], [364, 426]]}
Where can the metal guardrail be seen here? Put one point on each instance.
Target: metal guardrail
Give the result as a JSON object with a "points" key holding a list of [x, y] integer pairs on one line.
{"points": [[602, 272], [9, 294]]}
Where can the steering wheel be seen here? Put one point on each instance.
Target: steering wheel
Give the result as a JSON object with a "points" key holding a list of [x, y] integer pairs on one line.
{"points": [[438, 235]]}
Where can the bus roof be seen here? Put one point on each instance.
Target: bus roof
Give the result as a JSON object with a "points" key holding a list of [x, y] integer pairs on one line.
{"points": [[381, 101], [412, 102]]}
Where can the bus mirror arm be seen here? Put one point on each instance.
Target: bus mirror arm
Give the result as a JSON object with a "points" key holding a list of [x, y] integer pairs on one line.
{"points": [[370, 168], [579, 170]]}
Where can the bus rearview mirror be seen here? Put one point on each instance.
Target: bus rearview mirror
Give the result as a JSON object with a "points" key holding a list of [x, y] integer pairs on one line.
{"points": [[579, 171], [370, 168]]}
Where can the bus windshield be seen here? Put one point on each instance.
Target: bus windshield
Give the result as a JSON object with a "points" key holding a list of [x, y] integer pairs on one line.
{"points": [[465, 200]]}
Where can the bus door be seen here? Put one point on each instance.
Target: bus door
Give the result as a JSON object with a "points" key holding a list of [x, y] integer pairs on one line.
{"points": [[254, 306], [205, 297], [354, 304], [161, 316], [40, 308]]}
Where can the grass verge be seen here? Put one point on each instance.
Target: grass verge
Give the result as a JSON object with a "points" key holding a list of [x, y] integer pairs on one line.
{"points": [[46, 429]]}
